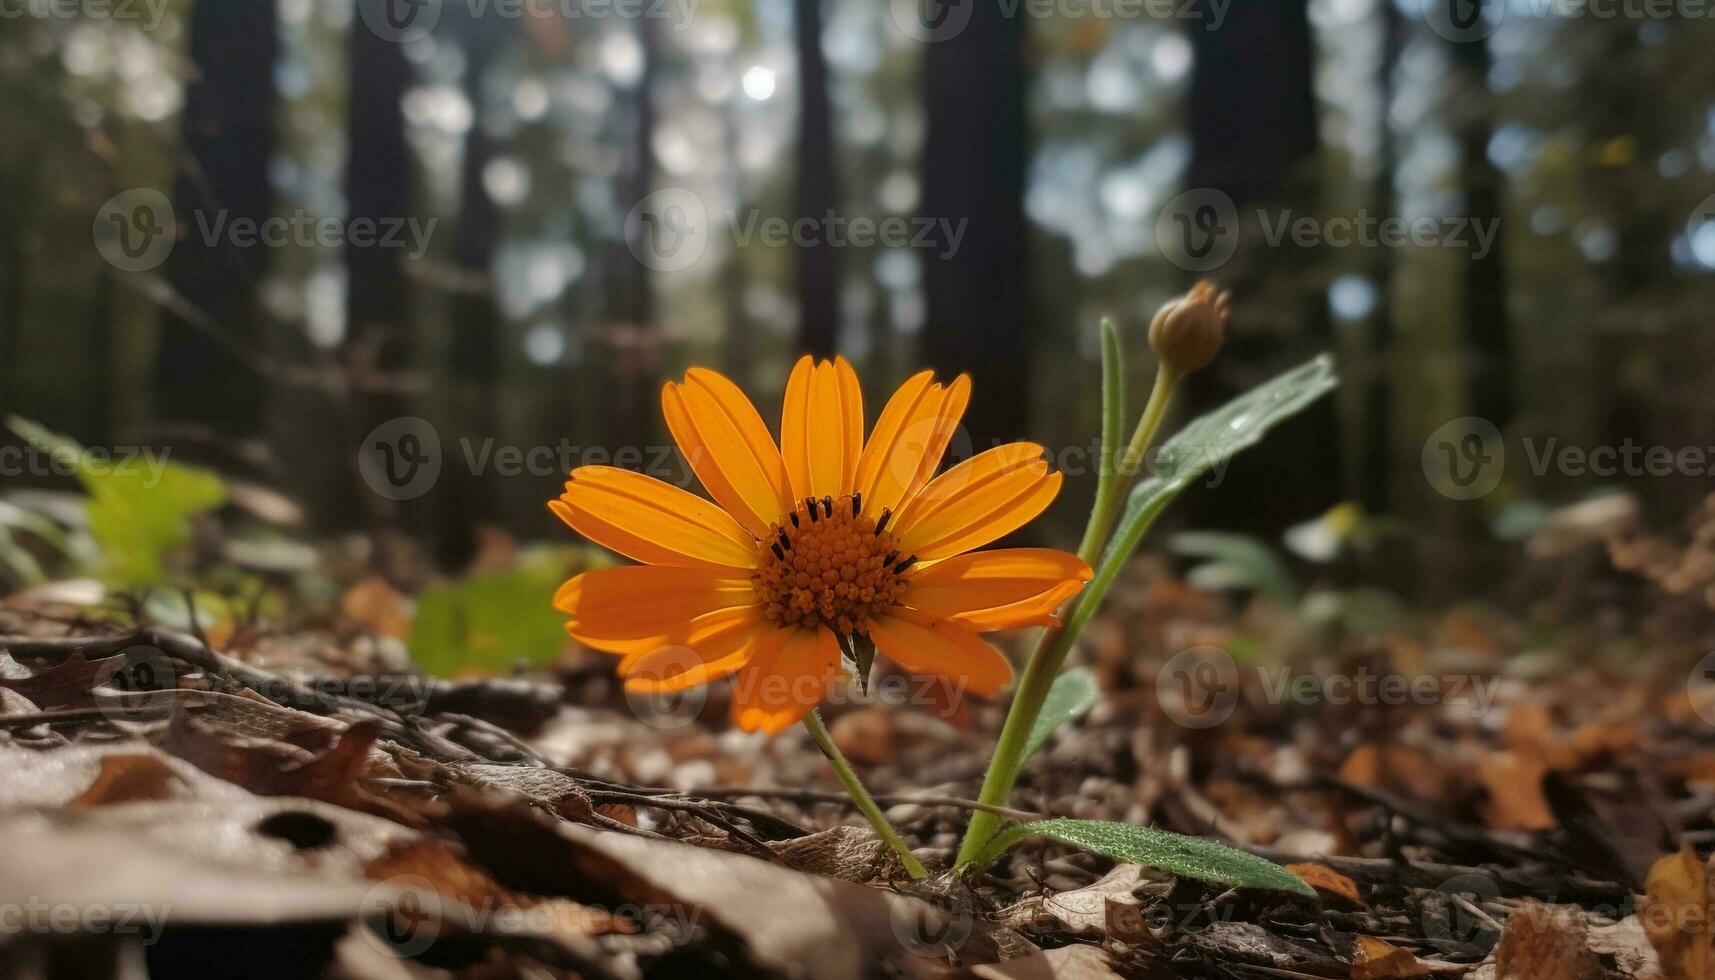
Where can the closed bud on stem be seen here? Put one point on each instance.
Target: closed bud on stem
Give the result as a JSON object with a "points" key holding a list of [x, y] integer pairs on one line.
{"points": [[1188, 332]]}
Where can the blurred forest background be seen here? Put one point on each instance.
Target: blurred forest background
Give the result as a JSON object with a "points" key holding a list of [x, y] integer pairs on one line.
{"points": [[529, 138]]}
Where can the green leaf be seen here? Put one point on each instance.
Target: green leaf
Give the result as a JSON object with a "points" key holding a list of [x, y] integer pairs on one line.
{"points": [[492, 621], [139, 509], [1074, 693], [1188, 857], [1194, 450], [1236, 561]]}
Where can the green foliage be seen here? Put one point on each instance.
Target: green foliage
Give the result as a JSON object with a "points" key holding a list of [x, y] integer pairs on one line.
{"points": [[1074, 693], [1235, 561], [139, 510], [494, 620], [1188, 857]]}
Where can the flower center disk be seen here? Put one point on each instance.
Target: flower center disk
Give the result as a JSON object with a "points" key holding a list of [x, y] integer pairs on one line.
{"points": [[827, 564]]}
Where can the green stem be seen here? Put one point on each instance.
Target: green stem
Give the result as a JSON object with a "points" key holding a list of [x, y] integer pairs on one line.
{"points": [[865, 803], [1110, 493], [1049, 654]]}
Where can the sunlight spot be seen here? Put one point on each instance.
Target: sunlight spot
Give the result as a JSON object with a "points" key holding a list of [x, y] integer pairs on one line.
{"points": [[758, 83]]}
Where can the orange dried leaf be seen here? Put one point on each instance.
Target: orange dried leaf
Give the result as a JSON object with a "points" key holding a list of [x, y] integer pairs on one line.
{"points": [[1377, 959], [1327, 881], [1675, 911]]}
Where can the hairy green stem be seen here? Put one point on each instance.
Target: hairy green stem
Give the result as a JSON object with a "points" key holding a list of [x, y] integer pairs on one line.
{"points": [[1049, 654], [865, 803]]}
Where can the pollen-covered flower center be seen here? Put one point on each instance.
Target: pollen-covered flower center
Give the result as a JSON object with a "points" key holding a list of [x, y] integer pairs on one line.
{"points": [[827, 564]]}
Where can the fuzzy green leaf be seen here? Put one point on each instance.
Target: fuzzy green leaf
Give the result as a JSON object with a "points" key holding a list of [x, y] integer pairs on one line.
{"points": [[1188, 857]]}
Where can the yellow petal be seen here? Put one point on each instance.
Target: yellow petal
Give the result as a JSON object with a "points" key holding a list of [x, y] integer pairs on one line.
{"points": [[728, 446], [821, 428], [790, 674], [650, 521], [909, 439], [989, 495], [636, 608], [1001, 589], [941, 649]]}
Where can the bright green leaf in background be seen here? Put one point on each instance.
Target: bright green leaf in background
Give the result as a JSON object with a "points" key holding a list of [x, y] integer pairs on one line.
{"points": [[1074, 693], [139, 510], [495, 620], [1188, 857]]}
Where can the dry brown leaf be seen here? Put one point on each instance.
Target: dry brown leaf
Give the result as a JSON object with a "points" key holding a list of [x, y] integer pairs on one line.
{"points": [[865, 736], [1675, 911], [1378, 959], [1514, 784], [128, 779], [379, 606], [1543, 942], [1328, 881]]}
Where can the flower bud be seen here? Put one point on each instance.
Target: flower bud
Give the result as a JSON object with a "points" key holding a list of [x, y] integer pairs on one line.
{"points": [[1188, 332]]}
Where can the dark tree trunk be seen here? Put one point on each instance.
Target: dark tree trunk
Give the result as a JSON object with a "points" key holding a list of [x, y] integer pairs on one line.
{"points": [[629, 342], [1378, 456], [473, 346], [1487, 339], [1252, 120], [973, 175], [228, 140], [818, 266]]}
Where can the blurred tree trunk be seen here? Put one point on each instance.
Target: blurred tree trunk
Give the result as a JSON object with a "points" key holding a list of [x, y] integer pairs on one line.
{"points": [[629, 343], [378, 340], [1252, 120], [973, 179], [1378, 454], [818, 266], [228, 140], [466, 405], [1487, 338]]}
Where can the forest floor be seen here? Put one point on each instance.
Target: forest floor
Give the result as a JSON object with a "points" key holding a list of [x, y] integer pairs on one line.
{"points": [[1478, 792]]}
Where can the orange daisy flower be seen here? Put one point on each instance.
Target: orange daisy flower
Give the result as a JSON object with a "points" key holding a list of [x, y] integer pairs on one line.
{"points": [[819, 543]]}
